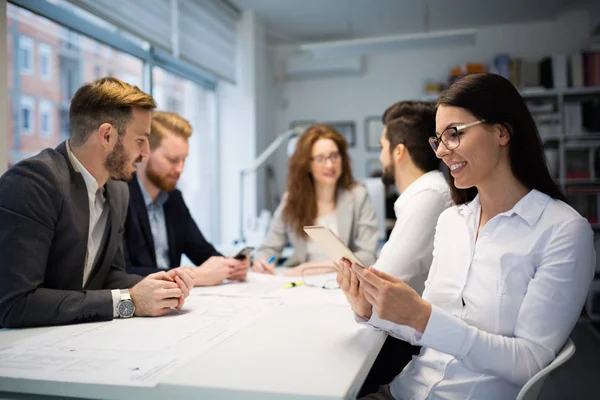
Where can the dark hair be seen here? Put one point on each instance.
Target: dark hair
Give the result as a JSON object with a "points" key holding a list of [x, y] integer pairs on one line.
{"points": [[402, 108], [411, 123], [495, 99]]}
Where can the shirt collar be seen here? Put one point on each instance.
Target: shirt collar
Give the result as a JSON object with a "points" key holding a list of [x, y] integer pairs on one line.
{"points": [[90, 181], [529, 208], [161, 199], [429, 180]]}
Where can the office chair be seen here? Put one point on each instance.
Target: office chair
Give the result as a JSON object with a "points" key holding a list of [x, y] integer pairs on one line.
{"points": [[533, 387]]}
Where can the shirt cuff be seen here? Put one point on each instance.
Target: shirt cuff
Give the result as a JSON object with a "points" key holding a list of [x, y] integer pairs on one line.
{"points": [[116, 298], [447, 334], [361, 320], [401, 332]]}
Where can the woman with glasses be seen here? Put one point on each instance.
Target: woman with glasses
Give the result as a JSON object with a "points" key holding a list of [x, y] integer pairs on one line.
{"points": [[512, 262], [320, 191]]}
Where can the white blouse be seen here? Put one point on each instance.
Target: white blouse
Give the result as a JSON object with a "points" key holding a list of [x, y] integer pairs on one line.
{"points": [[503, 305]]}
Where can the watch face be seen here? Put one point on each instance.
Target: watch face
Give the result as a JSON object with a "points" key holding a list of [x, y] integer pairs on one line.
{"points": [[126, 308]]}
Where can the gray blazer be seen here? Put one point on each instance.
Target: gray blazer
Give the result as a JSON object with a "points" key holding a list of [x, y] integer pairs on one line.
{"points": [[44, 219], [357, 226]]}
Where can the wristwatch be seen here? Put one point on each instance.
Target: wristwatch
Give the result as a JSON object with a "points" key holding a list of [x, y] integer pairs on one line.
{"points": [[125, 308]]}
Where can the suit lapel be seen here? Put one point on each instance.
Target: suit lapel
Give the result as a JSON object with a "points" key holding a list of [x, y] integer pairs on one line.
{"points": [[81, 215], [344, 215], [142, 215]]}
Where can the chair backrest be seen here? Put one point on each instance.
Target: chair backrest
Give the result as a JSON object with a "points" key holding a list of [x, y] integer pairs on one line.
{"points": [[533, 387]]}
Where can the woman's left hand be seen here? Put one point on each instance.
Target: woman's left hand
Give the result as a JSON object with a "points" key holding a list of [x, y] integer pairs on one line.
{"points": [[392, 299]]}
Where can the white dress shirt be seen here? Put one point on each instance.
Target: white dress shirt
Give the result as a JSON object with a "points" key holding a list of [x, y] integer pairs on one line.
{"points": [[99, 211], [408, 252], [503, 303]]}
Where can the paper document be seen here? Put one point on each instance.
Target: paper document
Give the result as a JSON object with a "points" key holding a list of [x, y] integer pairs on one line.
{"points": [[263, 286], [256, 285], [132, 352]]}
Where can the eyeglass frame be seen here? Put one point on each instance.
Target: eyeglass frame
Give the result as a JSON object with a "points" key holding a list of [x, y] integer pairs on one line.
{"points": [[324, 284], [322, 160], [459, 128]]}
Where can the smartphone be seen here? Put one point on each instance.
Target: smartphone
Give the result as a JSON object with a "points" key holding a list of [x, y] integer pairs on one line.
{"points": [[243, 253]]}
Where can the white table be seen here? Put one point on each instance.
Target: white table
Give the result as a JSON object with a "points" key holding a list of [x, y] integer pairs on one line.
{"points": [[296, 351]]}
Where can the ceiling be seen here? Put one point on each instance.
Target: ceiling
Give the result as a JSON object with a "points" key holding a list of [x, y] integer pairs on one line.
{"points": [[295, 21]]}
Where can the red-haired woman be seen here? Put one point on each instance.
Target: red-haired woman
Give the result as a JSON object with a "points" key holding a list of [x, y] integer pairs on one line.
{"points": [[320, 191]]}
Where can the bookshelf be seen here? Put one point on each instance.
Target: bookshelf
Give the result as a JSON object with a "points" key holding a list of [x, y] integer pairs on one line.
{"points": [[571, 142], [571, 138]]}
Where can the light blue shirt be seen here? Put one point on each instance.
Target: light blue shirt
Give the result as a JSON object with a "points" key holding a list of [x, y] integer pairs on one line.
{"points": [[158, 225]]}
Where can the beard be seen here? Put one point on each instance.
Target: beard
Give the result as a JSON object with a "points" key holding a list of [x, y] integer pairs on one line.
{"points": [[388, 176], [117, 163], [161, 181]]}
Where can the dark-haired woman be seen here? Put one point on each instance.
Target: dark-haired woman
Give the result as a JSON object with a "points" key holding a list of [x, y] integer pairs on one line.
{"points": [[512, 261]]}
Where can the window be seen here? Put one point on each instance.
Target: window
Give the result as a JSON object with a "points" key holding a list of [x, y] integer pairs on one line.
{"points": [[63, 64], [26, 55], [65, 125], [26, 115], [46, 120], [198, 105], [45, 64], [97, 48]]}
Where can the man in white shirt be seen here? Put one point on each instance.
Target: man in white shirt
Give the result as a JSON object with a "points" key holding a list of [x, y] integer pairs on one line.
{"points": [[62, 214], [412, 167], [424, 193]]}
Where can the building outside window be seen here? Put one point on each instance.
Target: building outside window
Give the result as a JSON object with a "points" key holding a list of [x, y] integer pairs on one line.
{"points": [[26, 55], [46, 120], [45, 61], [53, 61], [26, 119], [65, 61]]}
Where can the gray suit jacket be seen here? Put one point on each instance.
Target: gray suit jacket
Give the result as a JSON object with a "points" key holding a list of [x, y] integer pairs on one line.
{"points": [[357, 226], [44, 219]]}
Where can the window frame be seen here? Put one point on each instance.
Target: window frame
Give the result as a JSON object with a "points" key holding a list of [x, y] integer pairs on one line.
{"points": [[29, 103], [26, 43], [149, 55], [45, 50], [45, 107]]}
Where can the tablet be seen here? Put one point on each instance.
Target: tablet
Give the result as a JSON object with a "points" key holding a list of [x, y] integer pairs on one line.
{"points": [[331, 244]]}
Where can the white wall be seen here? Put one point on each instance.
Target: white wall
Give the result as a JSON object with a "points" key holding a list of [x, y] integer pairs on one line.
{"points": [[398, 76], [3, 89], [245, 122], [265, 117]]}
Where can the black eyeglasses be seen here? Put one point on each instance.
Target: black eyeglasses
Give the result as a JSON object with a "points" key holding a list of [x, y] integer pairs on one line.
{"points": [[451, 136]]}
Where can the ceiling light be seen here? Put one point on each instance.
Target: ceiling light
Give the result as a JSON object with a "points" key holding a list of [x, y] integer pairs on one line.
{"points": [[413, 41]]}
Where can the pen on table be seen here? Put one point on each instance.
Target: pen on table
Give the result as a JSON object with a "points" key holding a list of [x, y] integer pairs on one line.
{"points": [[293, 284]]}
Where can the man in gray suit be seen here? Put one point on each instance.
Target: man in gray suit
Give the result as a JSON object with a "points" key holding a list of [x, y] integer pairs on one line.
{"points": [[62, 214]]}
